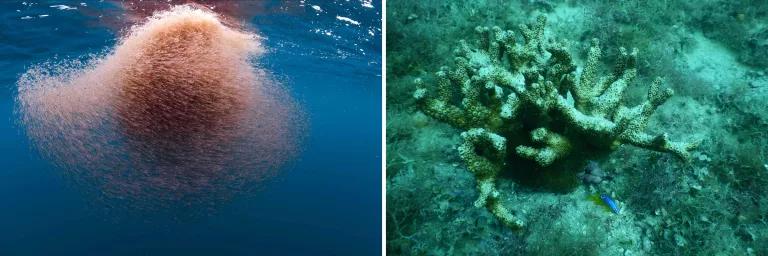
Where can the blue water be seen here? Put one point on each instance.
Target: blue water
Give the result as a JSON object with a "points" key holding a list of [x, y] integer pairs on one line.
{"points": [[326, 202]]}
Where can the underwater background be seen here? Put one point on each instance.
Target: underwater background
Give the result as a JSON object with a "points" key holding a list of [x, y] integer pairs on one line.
{"points": [[324, 202], [712, 53]]}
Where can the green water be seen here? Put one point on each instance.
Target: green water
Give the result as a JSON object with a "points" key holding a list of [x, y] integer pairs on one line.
{"points": [[710, 199]]}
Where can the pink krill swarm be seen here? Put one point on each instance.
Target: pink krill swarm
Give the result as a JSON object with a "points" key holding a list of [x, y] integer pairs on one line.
{"points": [[174, 113]]}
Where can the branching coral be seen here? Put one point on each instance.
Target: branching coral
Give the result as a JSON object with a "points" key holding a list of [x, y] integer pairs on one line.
{"points": [[525, 105]]}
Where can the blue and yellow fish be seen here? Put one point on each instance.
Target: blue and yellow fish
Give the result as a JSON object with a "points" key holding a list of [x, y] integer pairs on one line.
{"points": [[605, 201], [611, 204]]}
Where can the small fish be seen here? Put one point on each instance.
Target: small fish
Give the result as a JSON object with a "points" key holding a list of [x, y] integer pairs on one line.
{"points": [[609, 201], [592, 174]]}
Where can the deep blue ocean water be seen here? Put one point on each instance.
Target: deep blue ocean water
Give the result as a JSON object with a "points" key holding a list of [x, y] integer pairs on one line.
{"points": [[326, 202]]}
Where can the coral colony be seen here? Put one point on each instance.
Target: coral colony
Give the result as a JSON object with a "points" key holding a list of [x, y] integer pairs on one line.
{"points": [[526, 108]]}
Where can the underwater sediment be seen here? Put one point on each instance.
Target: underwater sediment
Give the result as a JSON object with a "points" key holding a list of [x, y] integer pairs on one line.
{"points": [[175, 112]]}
